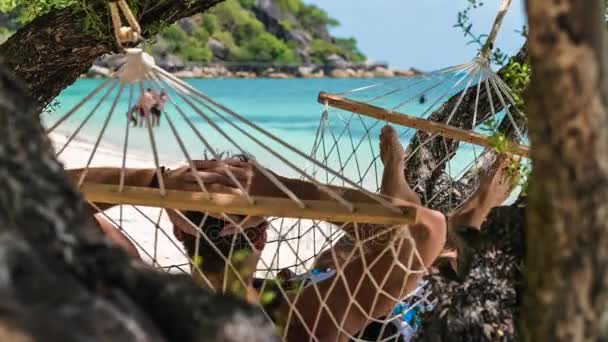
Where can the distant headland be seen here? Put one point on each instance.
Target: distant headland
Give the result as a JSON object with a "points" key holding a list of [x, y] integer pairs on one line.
{"points": [[258, 38], [248, 39]]}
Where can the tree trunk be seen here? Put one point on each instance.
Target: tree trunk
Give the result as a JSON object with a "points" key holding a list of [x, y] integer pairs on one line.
{"points": [[52, 51], [482, 306], [566, 278], [61, 281]]}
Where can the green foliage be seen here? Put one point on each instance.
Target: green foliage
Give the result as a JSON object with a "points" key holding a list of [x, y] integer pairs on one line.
{"points": [[231, 14], [244, 35], [525, 174], [247, 3], [321, 50], [312, 16], [197, 261], [174, 34], [348, 48], [268, 48], [517, 77], [501, 144], [345, 47], [191, 48], [8, 5], [200, 34], [30, 9], [196, 52], [515, 74], [227, 39], [286, 25], [210, 23], [232, 23], [291, 6]]}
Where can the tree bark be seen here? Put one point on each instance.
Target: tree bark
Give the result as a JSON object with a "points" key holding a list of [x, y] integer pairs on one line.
{"points": [[52, 51], [566, 278], [484, 304], [61, 281]]}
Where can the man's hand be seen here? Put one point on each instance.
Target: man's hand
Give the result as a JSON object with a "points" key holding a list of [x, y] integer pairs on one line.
{"points": [[203, 180], [223, 173]]}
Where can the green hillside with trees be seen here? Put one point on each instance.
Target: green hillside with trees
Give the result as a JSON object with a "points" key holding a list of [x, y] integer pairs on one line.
{"points": [[264, 31], [277, 31]]}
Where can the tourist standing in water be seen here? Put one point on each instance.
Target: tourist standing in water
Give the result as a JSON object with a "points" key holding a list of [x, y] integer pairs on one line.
{"points": [[158, 108]]}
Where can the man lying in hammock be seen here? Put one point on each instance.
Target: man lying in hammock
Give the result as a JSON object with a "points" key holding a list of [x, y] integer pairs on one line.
{"points": [[376, 266]]}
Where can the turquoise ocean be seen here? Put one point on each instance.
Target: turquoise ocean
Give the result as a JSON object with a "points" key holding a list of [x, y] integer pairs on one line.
{"points": [[287, 109]]}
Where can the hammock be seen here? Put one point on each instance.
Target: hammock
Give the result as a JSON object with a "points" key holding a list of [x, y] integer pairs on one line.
{"points": [[446, 130], [299, 230]]}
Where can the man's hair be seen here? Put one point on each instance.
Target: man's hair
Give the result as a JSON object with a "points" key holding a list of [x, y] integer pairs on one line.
{"points": [[211, 228]]}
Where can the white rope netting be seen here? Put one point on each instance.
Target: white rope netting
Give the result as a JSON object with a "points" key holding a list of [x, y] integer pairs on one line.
{"points": [[476, 115], [350, 269], [373, 267]]}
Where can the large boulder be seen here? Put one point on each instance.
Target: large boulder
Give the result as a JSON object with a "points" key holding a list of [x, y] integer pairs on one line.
{"points": [[219, 50], [112, 62], [171, 63], [337, 61], [303, 53], [99, 71], [406, 73], [340, 73], [272, 16], [185, 74], [188, 24], [279, 75], [305, 71], [382, 72], [300, 36]]}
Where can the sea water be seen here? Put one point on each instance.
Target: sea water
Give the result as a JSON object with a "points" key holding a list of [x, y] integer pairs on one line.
{"points": [[287, 109]]}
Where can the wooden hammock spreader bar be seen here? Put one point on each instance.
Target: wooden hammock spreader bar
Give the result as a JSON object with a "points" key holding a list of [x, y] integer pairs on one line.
{"points": [[428, 126], [329, 211]]}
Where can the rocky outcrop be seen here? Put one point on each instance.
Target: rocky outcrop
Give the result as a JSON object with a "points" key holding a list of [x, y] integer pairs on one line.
{"points": [[107, 64], [382, 72], [99, 71], [274, 19], [219, 50], [271, 15]]}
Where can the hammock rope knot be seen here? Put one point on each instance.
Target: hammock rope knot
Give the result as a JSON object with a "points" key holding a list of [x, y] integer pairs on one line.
{"points": [[130, 34]]}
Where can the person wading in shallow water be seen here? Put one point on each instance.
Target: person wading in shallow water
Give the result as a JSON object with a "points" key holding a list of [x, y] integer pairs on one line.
{"points": [[143, 108], [158, 108]]}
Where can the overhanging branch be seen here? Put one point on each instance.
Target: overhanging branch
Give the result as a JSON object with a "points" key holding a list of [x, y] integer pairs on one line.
{"points": [[52, 51]]}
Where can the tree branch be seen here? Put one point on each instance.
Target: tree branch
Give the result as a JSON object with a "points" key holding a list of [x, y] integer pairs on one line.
{"points": [[52, 51], [483, 305]]}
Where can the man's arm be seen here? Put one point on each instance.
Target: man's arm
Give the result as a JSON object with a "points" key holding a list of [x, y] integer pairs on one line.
{"points": [[383, 276], [257, 183], [111, 176]]}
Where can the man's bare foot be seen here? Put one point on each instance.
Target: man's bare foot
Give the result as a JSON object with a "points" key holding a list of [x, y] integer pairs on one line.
{"points": [[393, 158], [495, 186]]}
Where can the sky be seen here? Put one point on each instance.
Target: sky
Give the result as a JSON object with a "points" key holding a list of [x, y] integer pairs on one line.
{"points": [[420, 33]]}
